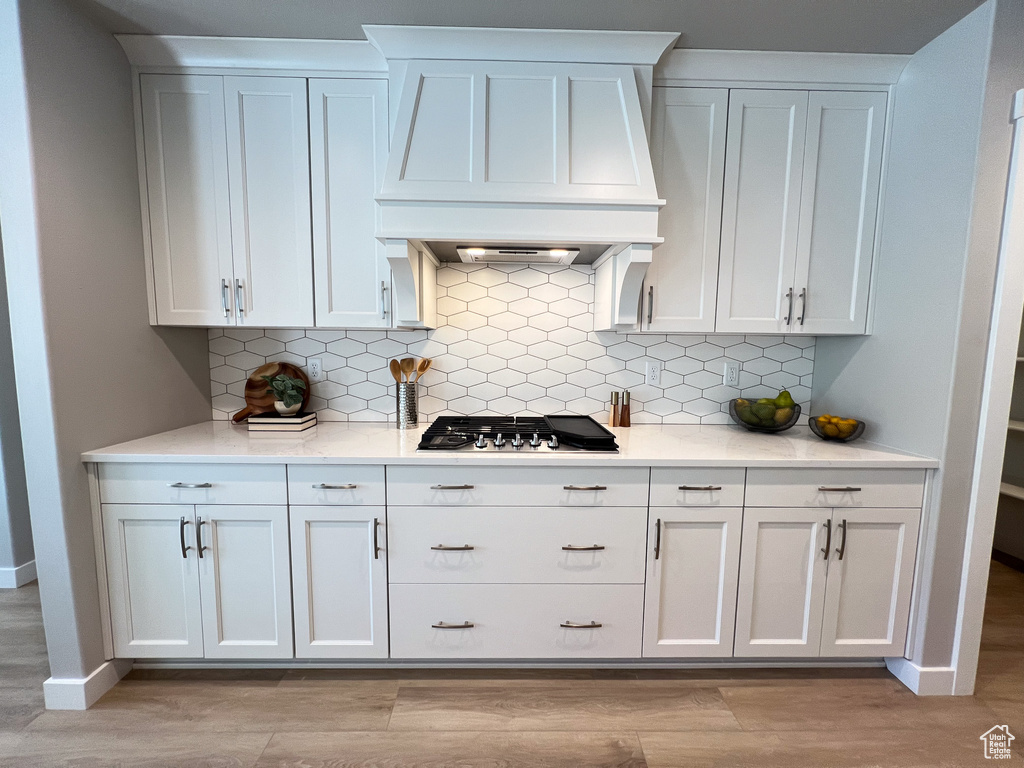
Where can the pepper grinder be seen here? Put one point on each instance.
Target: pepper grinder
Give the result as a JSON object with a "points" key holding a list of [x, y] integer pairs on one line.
{"points": [[624, 412], [613, 412]]}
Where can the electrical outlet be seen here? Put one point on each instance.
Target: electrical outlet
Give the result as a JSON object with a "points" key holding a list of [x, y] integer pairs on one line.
{"points": [[731, 378], [652, 373], [315, 369]]}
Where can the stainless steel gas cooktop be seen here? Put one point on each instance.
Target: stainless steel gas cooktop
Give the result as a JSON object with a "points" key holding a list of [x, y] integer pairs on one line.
{"points": [[517, 433]]}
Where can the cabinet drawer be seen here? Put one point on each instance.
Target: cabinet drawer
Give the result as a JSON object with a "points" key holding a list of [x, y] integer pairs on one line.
{"points": [[518, 486], [516, 621], [834, 487], [697, 487], [329, 484], [193, 484], [536, 545]]}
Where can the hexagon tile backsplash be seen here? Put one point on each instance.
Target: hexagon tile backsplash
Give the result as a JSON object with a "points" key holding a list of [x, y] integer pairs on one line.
{"points": [[517, 340]]}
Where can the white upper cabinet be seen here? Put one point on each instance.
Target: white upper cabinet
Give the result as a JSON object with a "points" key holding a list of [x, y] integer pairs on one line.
{"points": [[349, 151], [761, 211], [268, 175], [186, 193], [838, 206], [688, 153]]}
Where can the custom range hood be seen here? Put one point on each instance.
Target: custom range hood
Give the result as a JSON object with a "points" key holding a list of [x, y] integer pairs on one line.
{"points": [[516, 145]]}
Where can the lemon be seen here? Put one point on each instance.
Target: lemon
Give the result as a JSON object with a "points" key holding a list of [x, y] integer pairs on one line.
{"points": [[831, 430]]}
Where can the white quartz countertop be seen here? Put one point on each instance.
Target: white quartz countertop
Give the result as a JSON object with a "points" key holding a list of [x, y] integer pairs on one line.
{"points": [[377, 443]]}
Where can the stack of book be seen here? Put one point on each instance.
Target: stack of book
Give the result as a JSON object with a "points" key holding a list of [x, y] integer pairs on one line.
{"points": [[275, 422]]}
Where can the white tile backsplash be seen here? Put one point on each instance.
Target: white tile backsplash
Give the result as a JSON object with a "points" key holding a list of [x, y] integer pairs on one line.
{"points": [[517, 340]]}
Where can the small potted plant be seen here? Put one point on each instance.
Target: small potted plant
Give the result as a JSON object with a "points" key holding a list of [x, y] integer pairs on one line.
{"points": [[286, 392]]}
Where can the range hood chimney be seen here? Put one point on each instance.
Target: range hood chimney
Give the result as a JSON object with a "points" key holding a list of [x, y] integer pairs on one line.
{"points": [[516, 145]]}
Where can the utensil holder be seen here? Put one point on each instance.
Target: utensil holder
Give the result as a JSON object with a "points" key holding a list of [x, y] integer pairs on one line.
{"points": [[406, 412]]}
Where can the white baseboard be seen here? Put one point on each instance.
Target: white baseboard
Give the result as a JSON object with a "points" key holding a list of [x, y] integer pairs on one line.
{"points": [[83, 692], [12, 578], [924, 681]]}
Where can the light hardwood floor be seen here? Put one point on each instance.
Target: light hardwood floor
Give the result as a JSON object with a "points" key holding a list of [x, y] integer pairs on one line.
{"points": [[506, 719]]}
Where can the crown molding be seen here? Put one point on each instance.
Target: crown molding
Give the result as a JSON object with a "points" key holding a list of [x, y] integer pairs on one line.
{"points": [[686, 65]]}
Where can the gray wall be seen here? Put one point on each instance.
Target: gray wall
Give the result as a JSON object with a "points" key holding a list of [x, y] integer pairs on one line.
{"points": [[90, 370]]}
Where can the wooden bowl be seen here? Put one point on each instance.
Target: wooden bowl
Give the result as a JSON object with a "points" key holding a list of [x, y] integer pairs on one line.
{"points": [[258, 400]]}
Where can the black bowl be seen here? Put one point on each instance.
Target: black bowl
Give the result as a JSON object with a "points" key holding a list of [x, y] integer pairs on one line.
{"points": [[857, 431], [756, 428]]}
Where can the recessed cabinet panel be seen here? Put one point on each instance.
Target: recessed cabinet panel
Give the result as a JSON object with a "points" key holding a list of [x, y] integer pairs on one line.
{"points": [[521, 129], [440, 146], [600, 147]]}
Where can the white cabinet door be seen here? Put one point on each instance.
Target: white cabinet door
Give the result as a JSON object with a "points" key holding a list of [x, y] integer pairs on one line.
{"points": [[782, 582], [339, 576], [268, 171], [690, 603], [245, 581], [688, 149], [761, 210], [153, 581], [349, 149], [838, 207], [186, 182], [870, 576]]}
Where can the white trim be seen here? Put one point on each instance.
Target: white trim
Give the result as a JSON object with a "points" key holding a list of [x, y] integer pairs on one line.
{"points": [[997, 392], [83, 692], [749, 68], [503, 44], [12, 578], [650, 663], [924, 681]]}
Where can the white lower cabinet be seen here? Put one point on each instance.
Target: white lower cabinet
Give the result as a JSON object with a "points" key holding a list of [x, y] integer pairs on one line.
{"points": [[692, 564], [339, 578], [516, 621]]}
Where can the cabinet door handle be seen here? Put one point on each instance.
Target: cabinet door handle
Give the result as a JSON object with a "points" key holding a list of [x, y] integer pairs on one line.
{"points": [[577, 625], [190, 485], [446, 548], [225, 294], [657, 539], [700, 487], [831, 489], [803, 305], [199, 537], [842, 546], [451, 487], [584, 488], [239, 297], [828, 537], [326, 487], [383, 300], [650, 306], [181, 536], [376, 540], [582, 548], [789, 313], [446, 625]]}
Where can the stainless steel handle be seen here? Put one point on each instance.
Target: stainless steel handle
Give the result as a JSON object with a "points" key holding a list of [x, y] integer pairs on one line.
{"points": [[376, 541], [830, 489], [239, 297], [199, 537], [446, 548], [575, 625], [650, 306], [582, 548], [828, 538], [190, 485], [803, 305], [326, 487], [789, 314], [657, 539], [383, 300], [700, 487], [181, 536], [584, 488], [446, 625], [451, 487], [842, 546], [225, 300]]}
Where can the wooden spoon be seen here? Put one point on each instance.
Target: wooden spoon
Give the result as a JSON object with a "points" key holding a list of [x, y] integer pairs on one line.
{"points": [[396, 370], [408, 366], [423, 367]]}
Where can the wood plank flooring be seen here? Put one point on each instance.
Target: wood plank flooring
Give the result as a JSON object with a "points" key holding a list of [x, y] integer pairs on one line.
{"points": [[824, 718]]}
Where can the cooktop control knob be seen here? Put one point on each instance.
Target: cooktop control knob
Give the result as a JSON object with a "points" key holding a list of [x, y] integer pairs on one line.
{"points": [[499, 440], [517, 441], [481, 441], [553, 443], [535, 441]]}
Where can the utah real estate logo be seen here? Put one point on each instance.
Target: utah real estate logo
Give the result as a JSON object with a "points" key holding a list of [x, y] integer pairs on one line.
{"points": [[997, 742]]}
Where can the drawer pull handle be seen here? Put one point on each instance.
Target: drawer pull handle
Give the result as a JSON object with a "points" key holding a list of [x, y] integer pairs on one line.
{"points": [[451, 487], [181, 536], [831, 489], [446, 625], [700, 487], [575, 625], [445, 548], [583, 548], [190, 485], [584, 488], [326, 487]]}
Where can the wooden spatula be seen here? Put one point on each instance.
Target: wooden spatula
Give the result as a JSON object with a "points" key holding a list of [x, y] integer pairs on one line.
{"points": [[408, 366]]}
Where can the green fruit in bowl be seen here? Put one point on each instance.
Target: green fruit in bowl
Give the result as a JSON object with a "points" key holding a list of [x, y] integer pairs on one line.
{"points": [[784, 400], [747, 416], [782, 415], [764, 411]]}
